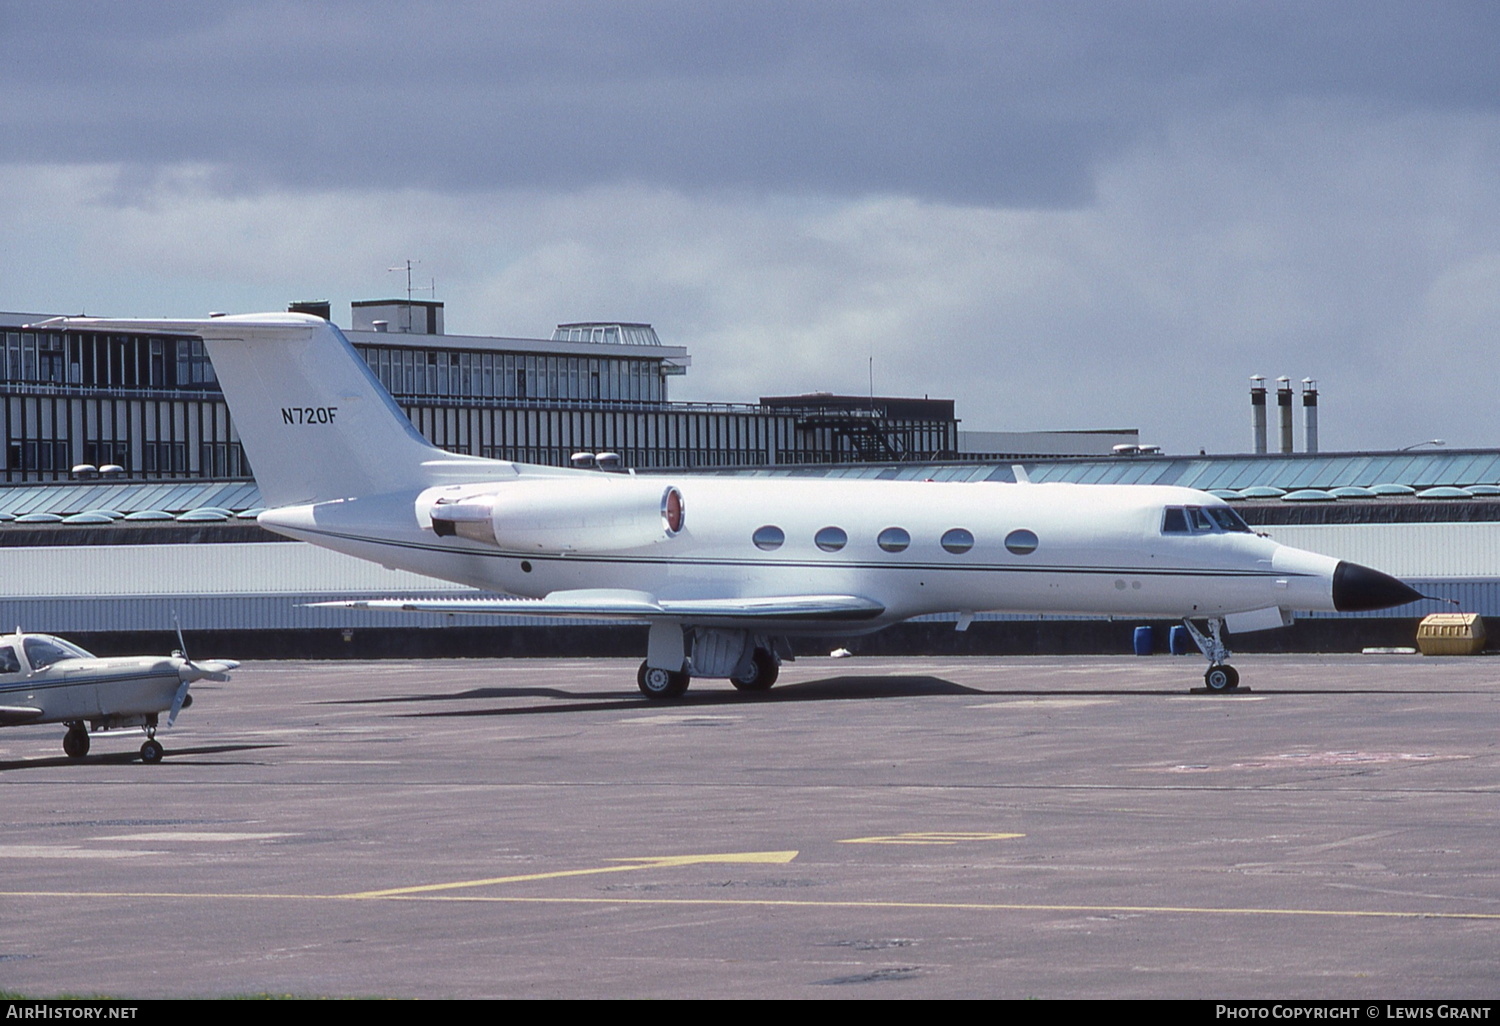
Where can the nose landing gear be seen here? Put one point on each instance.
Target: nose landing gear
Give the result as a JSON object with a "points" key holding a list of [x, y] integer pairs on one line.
{"points": [[151, 751], [1220, 676]]}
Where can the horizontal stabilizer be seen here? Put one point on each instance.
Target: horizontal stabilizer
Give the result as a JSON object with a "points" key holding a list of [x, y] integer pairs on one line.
{"points": [[638, 605], [10, 715]]}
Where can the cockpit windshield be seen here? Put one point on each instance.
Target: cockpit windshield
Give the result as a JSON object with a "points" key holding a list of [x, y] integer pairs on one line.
{"points": [[1227, 519], [42, 650], [1201, 520]]}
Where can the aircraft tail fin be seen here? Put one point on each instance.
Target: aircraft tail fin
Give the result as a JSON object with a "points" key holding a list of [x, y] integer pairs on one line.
{"points": [[315, 422]]}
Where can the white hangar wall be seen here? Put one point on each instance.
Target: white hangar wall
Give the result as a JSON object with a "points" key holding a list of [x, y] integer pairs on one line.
{"points": [[1408, 551], [225, 586]]}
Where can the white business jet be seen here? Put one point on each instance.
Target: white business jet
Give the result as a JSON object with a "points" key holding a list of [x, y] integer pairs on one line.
{"points": [[723, 569], [44, 679]]}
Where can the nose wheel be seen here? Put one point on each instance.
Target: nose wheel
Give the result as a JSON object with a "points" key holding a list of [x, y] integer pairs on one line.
{"points": [[151, 751], [1220, 676]]}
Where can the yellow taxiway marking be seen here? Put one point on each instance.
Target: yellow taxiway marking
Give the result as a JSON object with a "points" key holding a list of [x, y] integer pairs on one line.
{"points": [[647, 862], [961, 906], [194, 835], [932, 837]]}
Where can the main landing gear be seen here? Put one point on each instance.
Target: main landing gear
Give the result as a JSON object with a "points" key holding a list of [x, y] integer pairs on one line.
{"points": [[76, 740], [751, 662], [760, 674], [1220, 676], [658, 684]]}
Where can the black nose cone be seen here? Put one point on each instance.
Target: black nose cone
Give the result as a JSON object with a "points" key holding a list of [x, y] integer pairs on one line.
{"points": [[1358, 588]]}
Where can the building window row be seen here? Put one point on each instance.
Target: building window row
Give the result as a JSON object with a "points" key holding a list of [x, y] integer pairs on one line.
{"points": [[462, 374], [104, 361]]}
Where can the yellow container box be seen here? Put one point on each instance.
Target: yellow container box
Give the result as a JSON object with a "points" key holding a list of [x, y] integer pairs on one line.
{"points": [[1451, 634]]}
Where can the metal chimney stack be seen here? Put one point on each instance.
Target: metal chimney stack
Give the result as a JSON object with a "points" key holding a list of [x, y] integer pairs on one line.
{"points": [[1310, 414], [1258, 411], [1284, 410]]}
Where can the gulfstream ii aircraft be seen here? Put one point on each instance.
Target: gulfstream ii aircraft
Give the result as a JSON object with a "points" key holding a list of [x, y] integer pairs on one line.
{"points": [[725, 570]]}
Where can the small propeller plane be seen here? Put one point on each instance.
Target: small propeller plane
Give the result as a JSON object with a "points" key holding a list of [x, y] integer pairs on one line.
{"points": [[723, 569], [44, 679]]}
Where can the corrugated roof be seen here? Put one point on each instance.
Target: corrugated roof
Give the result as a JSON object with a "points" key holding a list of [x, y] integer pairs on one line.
{"points": [[1457, 467], [127, 496]]}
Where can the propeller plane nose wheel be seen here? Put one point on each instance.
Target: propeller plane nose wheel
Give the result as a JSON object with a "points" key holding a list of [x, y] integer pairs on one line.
{"points": [[152, 751]]}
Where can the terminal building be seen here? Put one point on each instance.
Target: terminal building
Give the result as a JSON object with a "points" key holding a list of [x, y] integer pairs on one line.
{"points": [[149, 404], [158, 519]]}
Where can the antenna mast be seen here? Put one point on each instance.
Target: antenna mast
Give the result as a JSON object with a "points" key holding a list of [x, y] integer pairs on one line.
{"points": [[430, 287]]}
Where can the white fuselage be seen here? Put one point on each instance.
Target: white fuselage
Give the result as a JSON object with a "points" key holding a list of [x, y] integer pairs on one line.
{"points": [[1098, 550]]}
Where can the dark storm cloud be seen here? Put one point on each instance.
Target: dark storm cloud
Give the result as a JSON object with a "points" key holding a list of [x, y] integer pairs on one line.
{"points": [[1006, 104]]}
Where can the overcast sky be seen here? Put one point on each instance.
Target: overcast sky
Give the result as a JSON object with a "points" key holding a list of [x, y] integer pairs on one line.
{"points": [[1063, 215]]}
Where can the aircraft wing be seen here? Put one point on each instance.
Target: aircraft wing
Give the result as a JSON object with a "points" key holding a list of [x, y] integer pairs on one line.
{"points": [[610, 603], [10, 715]]}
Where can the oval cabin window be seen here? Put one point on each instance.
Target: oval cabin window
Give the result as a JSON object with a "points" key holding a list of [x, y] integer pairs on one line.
{"points": [[1021, 542], [768, 537], [893, 539], [958, 541], [831, 539]]}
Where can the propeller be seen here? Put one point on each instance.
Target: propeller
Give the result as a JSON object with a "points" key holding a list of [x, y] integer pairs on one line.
{"points": [[189, 672]]}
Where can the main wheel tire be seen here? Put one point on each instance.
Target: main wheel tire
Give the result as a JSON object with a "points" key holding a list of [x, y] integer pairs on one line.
{"points": [[152, 751], [658, 684], [1222, 678], [76, 742], [761, 673]]}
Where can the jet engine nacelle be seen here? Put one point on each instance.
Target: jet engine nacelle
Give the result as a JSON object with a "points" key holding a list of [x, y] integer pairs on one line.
{"points": [[564, 515]]}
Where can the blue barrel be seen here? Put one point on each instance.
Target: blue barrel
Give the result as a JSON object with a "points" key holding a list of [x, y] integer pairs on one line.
{"points": [[1145, 639], [1180, 642]]}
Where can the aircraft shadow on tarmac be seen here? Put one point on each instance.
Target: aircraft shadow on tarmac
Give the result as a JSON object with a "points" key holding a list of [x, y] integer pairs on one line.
{"points": [[825, 689], [130, 755], [562, 700]]}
